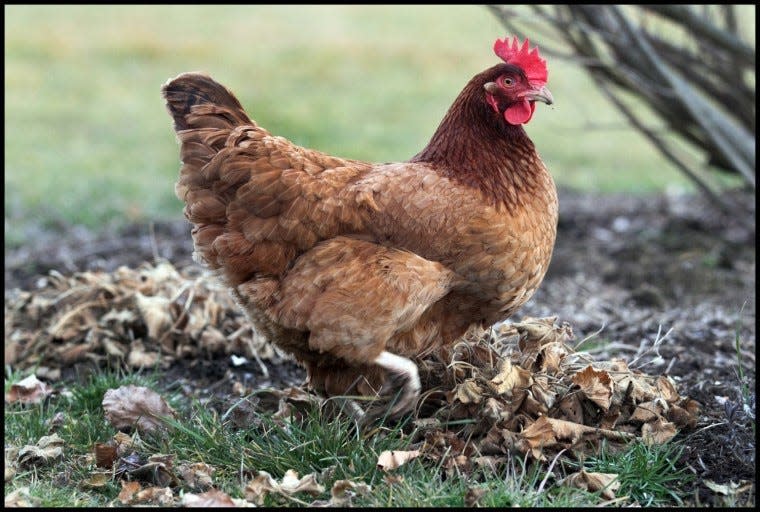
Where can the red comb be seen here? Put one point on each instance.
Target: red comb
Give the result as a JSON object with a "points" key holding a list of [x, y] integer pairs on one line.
{"points": [[529, 60]]}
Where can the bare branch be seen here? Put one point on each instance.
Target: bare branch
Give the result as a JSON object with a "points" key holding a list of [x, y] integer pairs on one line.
{"points": [[691, 66]]}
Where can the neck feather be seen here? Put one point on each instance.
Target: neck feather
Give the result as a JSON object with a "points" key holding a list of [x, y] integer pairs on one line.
{"points": [[477, 148]]}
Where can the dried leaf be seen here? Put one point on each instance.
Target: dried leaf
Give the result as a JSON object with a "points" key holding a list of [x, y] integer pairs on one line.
{"points": [[343, 491], [508, 377], [553, 354], [29, 390], [541, 391], [136, 406], [729, 489], [47, 449], [291, 484], [105, 455], [596, 385], [123, 442], [539, 435], [197, 475], [212, 498], [157, 471], [667, 389], [607, 483], [128, 491], [634, 387], [468, 392], [649, 411], [571, 407], [155, 312], [161, 496], [389, 460], [659, 431], [263, 483], [97, 480], [139, 357]]}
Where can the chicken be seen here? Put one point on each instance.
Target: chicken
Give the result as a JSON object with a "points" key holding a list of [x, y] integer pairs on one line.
{"points": [[358, 269]]}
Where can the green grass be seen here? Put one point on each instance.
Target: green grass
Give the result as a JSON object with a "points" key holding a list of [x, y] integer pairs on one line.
{"points": [[88, 140], [333, 449], [650, 475]]}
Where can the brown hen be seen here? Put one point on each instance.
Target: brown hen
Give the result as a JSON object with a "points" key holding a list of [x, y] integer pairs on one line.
{"points": [[359, 268]]}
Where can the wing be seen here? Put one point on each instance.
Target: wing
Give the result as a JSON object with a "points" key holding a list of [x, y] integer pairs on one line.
{"points": [[353, 296]]}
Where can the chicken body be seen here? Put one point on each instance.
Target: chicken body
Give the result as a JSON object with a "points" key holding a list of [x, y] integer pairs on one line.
{"points": [[358, 268]]}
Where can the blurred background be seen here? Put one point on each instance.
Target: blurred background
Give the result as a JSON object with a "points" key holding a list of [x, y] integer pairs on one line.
{"points": [[88, 140]]}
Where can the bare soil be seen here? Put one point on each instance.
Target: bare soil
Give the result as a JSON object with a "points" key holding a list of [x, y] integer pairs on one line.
{"points": [[666, 281]]}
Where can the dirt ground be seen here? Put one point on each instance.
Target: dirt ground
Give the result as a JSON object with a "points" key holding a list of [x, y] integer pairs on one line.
{"points": [[666, 281]]}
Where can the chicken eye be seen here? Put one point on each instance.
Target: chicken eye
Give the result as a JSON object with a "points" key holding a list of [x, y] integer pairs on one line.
{"points": [[508, 82]]}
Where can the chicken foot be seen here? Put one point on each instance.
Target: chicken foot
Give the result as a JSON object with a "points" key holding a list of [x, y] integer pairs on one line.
{"points": [[400, 390]]}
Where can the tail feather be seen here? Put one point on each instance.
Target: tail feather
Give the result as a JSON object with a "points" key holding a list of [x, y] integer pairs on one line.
{"points": [[195, 100], [205, 113]]}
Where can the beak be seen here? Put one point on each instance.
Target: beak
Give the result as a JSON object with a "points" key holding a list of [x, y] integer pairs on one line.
{"points": [[491, 87], [540, 94]]}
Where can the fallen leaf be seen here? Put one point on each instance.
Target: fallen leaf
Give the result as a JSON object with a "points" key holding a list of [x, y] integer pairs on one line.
{"points": [[47, 449], [257, 489], [157, 471], [263, 483], [729, 489], [291, 484], [508, 377], [97, 480], [541, 391], [197, 475], [211, 498], [667, 389], [633, 387], [539, 435], [155, 313], [546, 432], [128, 491], [659, 431], [29, 390], [136, 406], [139, 357], [161, 496], [607, 483], [649, 411], [468, 392], [105, 455], [389, 460], [553, 354], [343, 491], [596, 385], [123, 442]]}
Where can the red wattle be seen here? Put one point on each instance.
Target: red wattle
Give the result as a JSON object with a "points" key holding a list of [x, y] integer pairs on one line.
{"points": [[520, 113]]}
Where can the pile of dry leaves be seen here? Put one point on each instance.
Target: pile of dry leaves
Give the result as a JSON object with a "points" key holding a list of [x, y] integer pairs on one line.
{"points": [[141, 317], [519, 388]]}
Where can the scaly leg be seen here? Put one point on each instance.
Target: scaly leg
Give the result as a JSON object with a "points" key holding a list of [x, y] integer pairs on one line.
{"points": [[403, 380]]}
